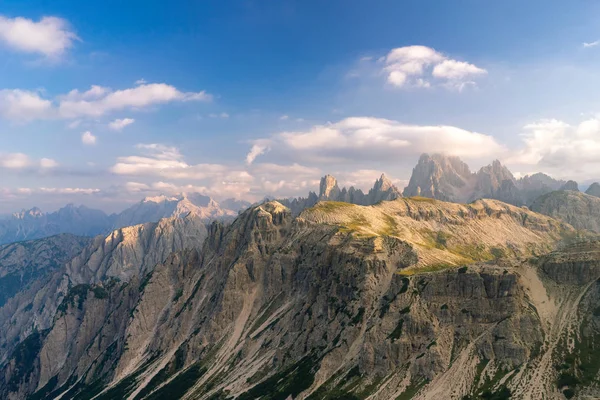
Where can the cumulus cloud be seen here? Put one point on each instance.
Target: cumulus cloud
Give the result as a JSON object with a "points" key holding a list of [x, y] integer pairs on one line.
{"points": [[50, 36], [419, 66], [119, 124], [165, 161], [88, 138], [17, 104], [376, 139], [560, 146], [24, 105], [21, 161], [15, 161], [102, 101], [48, 163]]}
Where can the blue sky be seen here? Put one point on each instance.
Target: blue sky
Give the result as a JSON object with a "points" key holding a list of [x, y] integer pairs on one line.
{"points": [[103, 103]]}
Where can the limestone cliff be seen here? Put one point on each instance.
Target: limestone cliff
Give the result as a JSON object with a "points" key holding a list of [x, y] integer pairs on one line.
{"points": [[578, 209]]}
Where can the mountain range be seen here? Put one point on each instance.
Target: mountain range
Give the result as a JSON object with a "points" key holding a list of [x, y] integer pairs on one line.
{"points": [[448, 178], [469, 286], [83, 221], [410, 298], [435, 176]]}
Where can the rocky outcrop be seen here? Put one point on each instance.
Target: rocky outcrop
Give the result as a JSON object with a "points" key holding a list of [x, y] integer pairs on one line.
{"points": [[382, 190], [593, 190], [413, 298], [570, 185], [580, 210], [449, 179]]}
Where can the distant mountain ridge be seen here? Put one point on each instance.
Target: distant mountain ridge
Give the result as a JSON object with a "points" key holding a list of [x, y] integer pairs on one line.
{"points": [[83, 221], [448, 178]]}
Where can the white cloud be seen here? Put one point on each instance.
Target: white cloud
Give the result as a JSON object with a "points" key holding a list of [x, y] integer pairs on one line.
{"points": [[284, 117], [254, 152], [97, 104], [67, 190], [141, 81], [88, 138], [375, 139], [457, 73], [48, 163], [20, 161], [14, 161], [50, 36], [591, 44], [164, 161], [23, 105], [26, 105], [561, 147], [415, 66], [119, 124]]}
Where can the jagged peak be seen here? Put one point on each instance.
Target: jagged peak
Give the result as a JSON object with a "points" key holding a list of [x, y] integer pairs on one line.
{"points": [[594, 189], [328, 186], [570, 185]]}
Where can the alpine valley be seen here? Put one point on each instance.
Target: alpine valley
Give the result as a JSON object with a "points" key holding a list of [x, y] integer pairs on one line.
{"points": [[464, 285]]}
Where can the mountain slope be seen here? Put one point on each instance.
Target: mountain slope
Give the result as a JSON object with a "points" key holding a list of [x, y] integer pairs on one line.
{"points": [[343, 301], [578, 209], [124, 255], [24, 262]]}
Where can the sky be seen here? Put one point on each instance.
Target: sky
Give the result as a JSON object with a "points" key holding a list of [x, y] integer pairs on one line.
{"points": [[103, 102]]}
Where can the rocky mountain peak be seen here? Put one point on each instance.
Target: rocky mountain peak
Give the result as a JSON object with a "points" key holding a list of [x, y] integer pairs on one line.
{"points": [[438, 176], [594, 189], [31, 213], [328, 187], [383, 183], [570, 185]]}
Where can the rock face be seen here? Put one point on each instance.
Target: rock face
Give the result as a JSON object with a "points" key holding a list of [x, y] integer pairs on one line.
{"points": [[570, 185], [440, 177], [580, 210], [413, 298], [383, 189], [34, 224], [449, 179], [593, 190], [71, 264], [24, 262]]}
